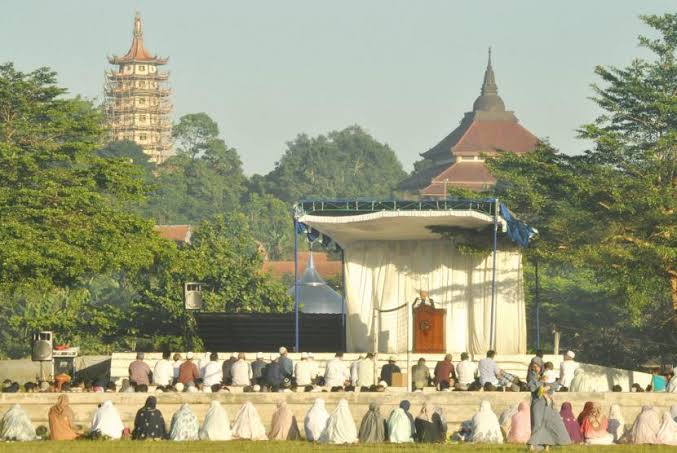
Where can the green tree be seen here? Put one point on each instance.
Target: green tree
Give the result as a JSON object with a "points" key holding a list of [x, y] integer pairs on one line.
{"points": [[346, 163], [64, 209], [613, 210], [270, 220], [203, 180]]}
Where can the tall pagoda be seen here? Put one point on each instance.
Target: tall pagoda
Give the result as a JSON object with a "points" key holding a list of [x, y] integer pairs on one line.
{"points": [[457, 161], [137, 99]]}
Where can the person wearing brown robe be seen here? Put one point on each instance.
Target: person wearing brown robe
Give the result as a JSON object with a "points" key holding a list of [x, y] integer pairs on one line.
{"points": [[61, 420], [283, 425]]}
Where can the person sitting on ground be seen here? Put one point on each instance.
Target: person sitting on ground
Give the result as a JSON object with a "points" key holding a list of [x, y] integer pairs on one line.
{"points": [[353, 370], [142, 388], [365, 372], [505, 419], [184, 425], [373, 426], [248, 425], [283, 425], [163, 373], [636, 388], [594, 427], [127, 386], [213, 373], [430, 425], [188, 371], [616, 388], [420, 375], [400, 425], [672, 382], [107, 421], [273, 375], [216, 425], [570, 423], [488, 369], [567, 369], [241, 371], [341, 427], [111, 388], [646, 426], [659, 382], [16, 425], [62, 420], [445, 374], [616, 424], [388, 369], [520, 425], [176, 364], [258, 366], [30, 387], [465, 372], [139, 371], [315, 422], [336, 372], [667, 433], [302, 371], [227, 368], [149, 422], [286, 363], [485, 426]]}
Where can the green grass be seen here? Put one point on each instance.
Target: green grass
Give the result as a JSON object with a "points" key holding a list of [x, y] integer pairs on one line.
{"points": [[295, 447]]}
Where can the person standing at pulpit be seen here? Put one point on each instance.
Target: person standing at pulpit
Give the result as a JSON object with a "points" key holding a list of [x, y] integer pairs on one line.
{"points": [[423, 299]]}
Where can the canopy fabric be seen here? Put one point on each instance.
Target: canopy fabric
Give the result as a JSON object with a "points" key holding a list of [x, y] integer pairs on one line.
{"points": [[387, 274], [395, 225]]}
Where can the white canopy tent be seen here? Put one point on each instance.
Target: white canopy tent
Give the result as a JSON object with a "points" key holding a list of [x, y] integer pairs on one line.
{"points": [[390, 255]]}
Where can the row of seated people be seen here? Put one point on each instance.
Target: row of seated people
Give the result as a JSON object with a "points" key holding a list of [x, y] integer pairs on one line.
{"points": [[514, 425]]}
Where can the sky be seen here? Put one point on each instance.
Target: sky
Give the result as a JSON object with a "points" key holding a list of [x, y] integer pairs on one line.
{"points": [[405, 71]]}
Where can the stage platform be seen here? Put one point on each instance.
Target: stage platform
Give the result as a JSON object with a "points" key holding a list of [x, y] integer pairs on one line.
{"points": [[458, 406], [602, 378]]}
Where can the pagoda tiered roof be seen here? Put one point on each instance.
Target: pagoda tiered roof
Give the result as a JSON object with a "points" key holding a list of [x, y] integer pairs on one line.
{"points": [[137, 52]]}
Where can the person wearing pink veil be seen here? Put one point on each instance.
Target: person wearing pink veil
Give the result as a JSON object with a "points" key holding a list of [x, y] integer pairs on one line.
{"points": [[570, 422], [646, 426], [520, 427], [283, 425]]}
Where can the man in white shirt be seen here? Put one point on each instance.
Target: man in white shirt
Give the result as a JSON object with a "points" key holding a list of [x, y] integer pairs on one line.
{"points": [[353, 370], [314, 367], [303, 371], [212, 372], [488, 369], [567, 369], [365, 372], [163, 373], [241, 371], [202, 363], [336, 372], [465, 372]]}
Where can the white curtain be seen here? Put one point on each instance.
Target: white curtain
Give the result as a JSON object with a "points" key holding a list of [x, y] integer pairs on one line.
{"points": [[387, 274]]}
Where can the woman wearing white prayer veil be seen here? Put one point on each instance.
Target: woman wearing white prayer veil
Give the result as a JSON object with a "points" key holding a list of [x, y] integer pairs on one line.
{"points": [[17, 426], [248, 424], [667, 434], [216, 425], [316, 421], [485, 426], [107, 421], [184, 424], [399, 427], [616, 423], [341, 427]]}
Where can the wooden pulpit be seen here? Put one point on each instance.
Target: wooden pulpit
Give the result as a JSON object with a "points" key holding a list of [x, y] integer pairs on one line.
{"points": [[429, 329]]}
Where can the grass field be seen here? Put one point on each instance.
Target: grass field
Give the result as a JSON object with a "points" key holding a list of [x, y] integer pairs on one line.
{"points": [[295, 447]]}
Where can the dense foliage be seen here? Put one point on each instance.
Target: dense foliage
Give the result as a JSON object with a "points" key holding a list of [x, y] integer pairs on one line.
{"points": [[609, 216]]}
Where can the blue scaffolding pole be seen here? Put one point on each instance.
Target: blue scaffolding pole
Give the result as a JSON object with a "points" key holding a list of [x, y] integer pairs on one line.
{"points": [[297, 293], [492, 332]]}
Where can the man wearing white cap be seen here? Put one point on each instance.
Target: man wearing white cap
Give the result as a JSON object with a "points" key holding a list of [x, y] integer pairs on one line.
{"points": [[567, 369], [188, 371], [286, 363], [257, 368], [303, 370]]}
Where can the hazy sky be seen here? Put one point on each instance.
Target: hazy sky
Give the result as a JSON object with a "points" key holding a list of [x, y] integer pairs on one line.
{"points": [[404, 70]]}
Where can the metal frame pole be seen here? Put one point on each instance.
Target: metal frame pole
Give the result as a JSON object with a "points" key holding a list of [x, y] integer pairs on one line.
{"points": [[344, 341], [492, 333], [297, 292]]}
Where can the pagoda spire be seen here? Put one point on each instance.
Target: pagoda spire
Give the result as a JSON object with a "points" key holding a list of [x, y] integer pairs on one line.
{"points": [[138, 29], [489, 84]]}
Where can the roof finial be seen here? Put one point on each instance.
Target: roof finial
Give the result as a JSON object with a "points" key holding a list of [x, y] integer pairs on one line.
{"points": [[489, 57], [138, 32], [489, 83]]}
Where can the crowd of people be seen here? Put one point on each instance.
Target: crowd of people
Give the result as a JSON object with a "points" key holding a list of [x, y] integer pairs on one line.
{"points": [[522, 424]]}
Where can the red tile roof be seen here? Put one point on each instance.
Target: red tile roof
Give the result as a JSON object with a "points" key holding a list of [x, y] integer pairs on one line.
{"points": [[324, 266], [176, 233], [492, 136], [470, 175]]}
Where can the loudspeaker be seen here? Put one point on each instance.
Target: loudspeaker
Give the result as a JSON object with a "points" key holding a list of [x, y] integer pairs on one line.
{"points": [[193, 296], [42, 347]]}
